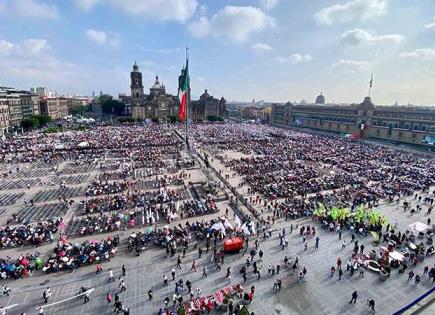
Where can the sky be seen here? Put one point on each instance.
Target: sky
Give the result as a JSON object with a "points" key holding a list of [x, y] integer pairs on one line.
{"points": [[273, 50]]}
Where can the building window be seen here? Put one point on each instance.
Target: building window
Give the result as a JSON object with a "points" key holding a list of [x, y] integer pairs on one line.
{"points": [[407, 126], [423, 128], [415, 127]]}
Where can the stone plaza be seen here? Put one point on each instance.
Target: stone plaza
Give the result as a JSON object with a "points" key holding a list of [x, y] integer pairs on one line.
{"points": [[36, 191]]}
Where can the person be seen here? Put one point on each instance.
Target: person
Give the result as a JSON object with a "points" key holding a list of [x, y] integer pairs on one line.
{"points": [[46, 295], [361, 271], [99, 269], [193, 266], [189, 286], [6, 290], [417, 279], [124, 270], [87, 293], [173, 274], [317, 243], [122, 286], [354, 297], [198, 292], [179, 262], [340, 274], [126, 311], [117, 306], [204, 272], [111, 277], [410, 275], [109, 298], [371, 304], [150, 295], [332, 271]]}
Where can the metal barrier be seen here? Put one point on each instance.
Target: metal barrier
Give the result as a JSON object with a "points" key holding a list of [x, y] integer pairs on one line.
{"points": [[408, 306]]}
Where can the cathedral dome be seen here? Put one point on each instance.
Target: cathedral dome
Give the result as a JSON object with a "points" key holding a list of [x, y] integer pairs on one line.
{"points": [[157, 85], [320, 99]]}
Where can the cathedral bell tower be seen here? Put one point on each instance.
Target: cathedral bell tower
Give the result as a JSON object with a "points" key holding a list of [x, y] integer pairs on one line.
{"points": [[136, 83]]}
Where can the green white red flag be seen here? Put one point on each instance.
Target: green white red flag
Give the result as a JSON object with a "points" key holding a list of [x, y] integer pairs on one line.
{"points": [[183, 91]]}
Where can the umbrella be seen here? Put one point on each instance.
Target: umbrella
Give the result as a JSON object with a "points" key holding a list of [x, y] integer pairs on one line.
{"points": [[418, 227]]}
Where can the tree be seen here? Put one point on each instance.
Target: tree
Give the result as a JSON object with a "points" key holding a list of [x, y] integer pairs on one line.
{"points": [[78, 110], [43, 119], [30, 123], [214, 118], [104, 98], [113, 107], [126, 120]]}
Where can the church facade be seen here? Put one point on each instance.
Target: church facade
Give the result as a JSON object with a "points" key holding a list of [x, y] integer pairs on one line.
{"points": [[160, 105], [155, 105], [206, 106]]}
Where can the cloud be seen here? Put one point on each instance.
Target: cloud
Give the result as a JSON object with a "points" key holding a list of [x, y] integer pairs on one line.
{"points": [[161, 51], [103, 38], [359, 37], [32, 62], [424, 54], [6, 47], [164, 10], [30, 8], [261, 48], [232, 22], [351, 66], [295, 58], [350, 11], [87, 5], [268, 4], [431, 24]]}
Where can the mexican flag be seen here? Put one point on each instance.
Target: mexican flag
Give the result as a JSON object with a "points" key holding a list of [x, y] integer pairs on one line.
{"points": [[183, 91]]}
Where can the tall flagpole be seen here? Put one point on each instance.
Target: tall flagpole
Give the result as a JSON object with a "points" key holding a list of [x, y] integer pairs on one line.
{"points": [[371, 84], [187, 100]]}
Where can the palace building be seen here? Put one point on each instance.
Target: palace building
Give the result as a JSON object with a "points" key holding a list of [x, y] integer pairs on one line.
{"points": [[406, 124]]}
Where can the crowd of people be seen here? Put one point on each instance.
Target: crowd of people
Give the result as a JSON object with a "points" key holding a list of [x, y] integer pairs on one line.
{"points": [[30, 234]]}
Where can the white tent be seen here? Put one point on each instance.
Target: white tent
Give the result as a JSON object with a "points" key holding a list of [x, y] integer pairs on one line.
{"points": [[418, 227], [219, 227], [83, 144]]}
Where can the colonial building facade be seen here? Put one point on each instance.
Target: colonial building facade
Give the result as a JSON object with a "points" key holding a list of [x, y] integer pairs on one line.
{"points": [[206, 106], [160, 105], [56, 108], [157, 104], [407, 124]]}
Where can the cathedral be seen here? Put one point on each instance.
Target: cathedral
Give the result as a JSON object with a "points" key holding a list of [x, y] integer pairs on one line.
{"points": [[157, 104]]}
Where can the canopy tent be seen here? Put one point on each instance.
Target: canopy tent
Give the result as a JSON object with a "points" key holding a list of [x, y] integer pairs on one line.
{"points": [[233, 244], [83, 144], [418, 227]]}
